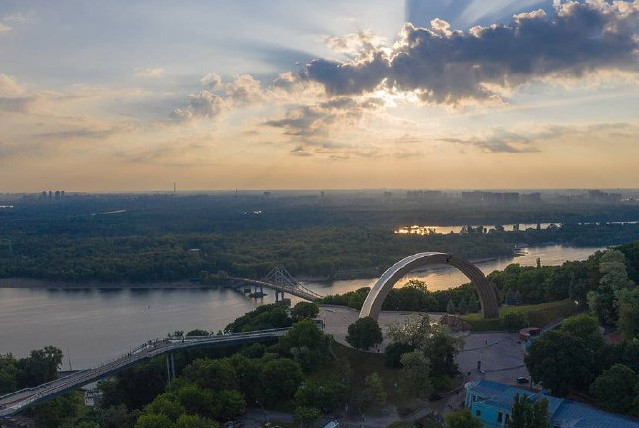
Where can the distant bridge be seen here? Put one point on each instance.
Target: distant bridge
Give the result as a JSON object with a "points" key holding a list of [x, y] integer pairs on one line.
{"points": [[20, 400], [281, 281]]}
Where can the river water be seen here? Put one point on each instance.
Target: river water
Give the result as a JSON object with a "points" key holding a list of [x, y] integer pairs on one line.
{"points": [[93, 326]]}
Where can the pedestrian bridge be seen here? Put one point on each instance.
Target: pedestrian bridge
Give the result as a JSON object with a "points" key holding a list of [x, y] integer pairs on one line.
{"points": [[20, 400], [279, 280], [373, 303]]}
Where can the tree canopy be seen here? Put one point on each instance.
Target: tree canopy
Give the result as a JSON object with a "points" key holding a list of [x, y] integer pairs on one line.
{"points": [[364, 333]]}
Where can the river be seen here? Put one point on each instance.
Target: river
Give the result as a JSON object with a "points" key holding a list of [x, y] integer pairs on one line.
{"points": [[92, 326]]}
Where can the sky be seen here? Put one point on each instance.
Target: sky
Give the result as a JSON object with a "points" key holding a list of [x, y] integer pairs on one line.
{"points": [[127, 95]]}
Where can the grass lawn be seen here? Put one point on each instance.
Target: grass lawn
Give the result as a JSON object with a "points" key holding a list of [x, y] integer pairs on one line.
{"points": [[537, 315]]}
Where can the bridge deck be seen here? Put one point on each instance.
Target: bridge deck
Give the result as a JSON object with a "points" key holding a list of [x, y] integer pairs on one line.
{"points": [[20, 400], [298, 290]]}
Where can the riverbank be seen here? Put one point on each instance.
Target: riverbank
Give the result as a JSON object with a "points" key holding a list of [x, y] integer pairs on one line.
{"points": [[437, 277], [46, 283]]}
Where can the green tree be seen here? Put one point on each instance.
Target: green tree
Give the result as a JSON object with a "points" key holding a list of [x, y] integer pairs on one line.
{"points": [[450, 307], [247, 372], [197, 332], [374, 393], [167, 404], [39, 367], [304, 310], [305, 416], [262, 318], [414, 332], [152, 420], [86, 424], [115, 417], [584, 326], [628, 302], [614, 389], [228, 404], [414, 376], [513, 321], [561, 362], [210, 374], [8, 374], [195, 421], [306, 343], [196, 400], [364, 333], [463, 419], [323, 395], [135, 387], [434, 340], [280, 379], [614, 277], [525, 414], [58, 411], [393, 353]]}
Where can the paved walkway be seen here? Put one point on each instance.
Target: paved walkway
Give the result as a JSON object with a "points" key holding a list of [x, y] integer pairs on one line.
{"points": [[338, 318], [501, 356]]}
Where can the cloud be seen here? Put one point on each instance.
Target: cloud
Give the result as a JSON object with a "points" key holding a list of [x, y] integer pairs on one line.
{"points": [[300, 151], [80, 133], [355, 44], [5, 28], [314, 129], [204, 104], [500, 140], [152, 73], [220, 97], [443, 66], [9, 86], [244, 90], [13, 96], [16, 104], [213, 80]]}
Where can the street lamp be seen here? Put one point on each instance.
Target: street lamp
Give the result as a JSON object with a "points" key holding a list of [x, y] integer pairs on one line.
{"points": [[268, 424]]}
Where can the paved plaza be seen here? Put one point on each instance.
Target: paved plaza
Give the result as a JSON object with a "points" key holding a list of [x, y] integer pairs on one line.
{"points": [[501, 354]]}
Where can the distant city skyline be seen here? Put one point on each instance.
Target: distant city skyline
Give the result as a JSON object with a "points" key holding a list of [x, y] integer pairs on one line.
{"points": [[418, 94]]}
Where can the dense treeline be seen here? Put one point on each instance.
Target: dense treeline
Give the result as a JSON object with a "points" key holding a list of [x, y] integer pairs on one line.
{"points": [[217, 385], [576, 360], [146, 214], [414, 296], [148, 238], [514, 285], [39, 367], [321, 252]]}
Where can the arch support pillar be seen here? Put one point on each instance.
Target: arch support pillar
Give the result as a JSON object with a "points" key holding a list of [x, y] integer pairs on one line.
{"points": [[373, 303]]}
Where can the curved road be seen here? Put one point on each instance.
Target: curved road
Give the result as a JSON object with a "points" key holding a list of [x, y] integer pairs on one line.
{"points": [[20, 400]]}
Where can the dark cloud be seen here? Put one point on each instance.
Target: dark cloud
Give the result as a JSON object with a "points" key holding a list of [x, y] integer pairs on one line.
{"points": [[300, 151], [500, 140], [16, 104], [444, 66], [311, 128], [313, 123], [84, 133]]}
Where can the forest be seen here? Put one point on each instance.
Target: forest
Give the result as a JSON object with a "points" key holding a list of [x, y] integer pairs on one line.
{"points": [[152, 238]]}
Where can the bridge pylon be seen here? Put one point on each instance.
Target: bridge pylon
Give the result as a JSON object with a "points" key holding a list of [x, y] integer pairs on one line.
{"points": [[280, 276]]}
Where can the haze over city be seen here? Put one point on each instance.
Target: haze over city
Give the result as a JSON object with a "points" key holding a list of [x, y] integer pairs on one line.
{"points": [[133, 96]]}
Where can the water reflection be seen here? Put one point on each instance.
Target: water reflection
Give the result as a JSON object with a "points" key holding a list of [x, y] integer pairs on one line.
{"points": [[95, 326]]}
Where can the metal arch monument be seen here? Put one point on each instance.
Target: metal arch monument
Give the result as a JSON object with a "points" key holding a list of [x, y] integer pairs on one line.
{"points": [[373, 303]]}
